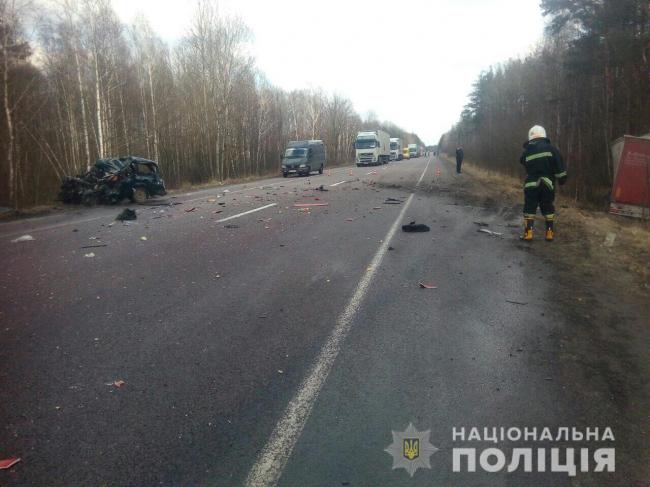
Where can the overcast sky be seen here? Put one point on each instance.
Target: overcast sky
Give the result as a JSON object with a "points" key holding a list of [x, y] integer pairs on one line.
{"points": [[412, 62]]}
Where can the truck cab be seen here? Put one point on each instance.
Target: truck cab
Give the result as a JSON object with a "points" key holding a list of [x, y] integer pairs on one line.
{"points": [[396, 149], [372, 148], [414, 151]]}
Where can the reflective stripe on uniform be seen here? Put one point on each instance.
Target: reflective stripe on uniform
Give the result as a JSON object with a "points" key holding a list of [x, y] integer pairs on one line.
{"points": [[547, 182], [539, 156], [529, 216], [531, 184], [560, 175], [550, 217]]}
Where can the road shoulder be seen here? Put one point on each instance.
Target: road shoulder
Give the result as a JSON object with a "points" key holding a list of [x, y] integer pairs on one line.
{"points": [[602, 289]]}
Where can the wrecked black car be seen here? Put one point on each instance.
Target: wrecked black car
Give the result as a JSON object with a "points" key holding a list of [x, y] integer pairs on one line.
{"points": [[111, 181]]}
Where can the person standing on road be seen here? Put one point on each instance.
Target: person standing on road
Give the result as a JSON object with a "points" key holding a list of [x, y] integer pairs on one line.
{"points": [[544, 166], [460, 155]]}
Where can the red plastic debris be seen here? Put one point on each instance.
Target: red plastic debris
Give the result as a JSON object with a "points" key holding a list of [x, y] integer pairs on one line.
{"points": [[8, 463]]}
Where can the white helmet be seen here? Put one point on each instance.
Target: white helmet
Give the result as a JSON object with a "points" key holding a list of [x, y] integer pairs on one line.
{"points": [[537, 132]]}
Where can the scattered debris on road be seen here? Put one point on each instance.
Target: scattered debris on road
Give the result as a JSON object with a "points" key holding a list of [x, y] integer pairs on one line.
{"points": [[322, 188], [127, 214], [189, 210], [393, 201], [307, 205], [516, 302], [415, 228], [482, 224], [490, 232], [144, 239], [119, 383], [94, 246], [231, 226], [90, 255], [8, 463], [24, 238], [428, 286], [164, 203]]}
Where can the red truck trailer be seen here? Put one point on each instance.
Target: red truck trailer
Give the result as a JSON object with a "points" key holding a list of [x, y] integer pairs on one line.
{"points": [[631, 190]]}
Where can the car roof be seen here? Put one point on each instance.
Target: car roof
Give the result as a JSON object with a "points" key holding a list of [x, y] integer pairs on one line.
{"points": [[303, 143]]}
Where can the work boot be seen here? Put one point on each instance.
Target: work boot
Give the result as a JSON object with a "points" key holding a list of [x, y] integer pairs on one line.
{"points": [[550, 233], [528, 229]]}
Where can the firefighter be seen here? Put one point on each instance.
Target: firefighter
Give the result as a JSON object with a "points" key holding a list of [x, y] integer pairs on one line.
{"points": [[544, 167]]}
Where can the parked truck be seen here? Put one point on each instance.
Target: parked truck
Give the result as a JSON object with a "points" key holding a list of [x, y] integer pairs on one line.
{"points": [[395, 149], [414, 151], [372, 148]]}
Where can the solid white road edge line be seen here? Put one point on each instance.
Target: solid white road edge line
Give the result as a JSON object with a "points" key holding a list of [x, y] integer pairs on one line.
{"points": [[246, 213], [336, 184], [274, 456]]}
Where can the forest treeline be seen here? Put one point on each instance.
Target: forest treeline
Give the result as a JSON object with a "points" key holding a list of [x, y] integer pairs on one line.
{"points": [[86, 86], [588, 83]]}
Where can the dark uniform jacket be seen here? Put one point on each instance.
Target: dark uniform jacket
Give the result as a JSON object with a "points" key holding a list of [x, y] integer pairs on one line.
{"points": [[543, 163]]}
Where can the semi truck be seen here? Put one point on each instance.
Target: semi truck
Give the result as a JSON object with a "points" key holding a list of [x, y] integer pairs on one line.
{"points": [[372, 148], [414, 151], [396, 149]]}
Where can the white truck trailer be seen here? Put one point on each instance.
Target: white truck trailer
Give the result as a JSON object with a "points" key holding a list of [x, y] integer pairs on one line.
{"points": [[372, 148], [396, 149]]}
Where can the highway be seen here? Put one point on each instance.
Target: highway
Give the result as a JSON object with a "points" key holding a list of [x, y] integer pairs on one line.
{"points": [[233, 338]]}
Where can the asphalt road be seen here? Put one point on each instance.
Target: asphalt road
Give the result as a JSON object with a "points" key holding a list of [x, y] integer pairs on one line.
{"points": [[260, 343]]}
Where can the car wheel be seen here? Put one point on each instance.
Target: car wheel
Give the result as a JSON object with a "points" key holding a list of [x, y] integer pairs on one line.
{"points": [[139, 196]]}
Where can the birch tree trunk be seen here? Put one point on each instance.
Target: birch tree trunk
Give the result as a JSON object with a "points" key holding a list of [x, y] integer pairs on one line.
{"points": [[8, 114], [156, 152]]}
